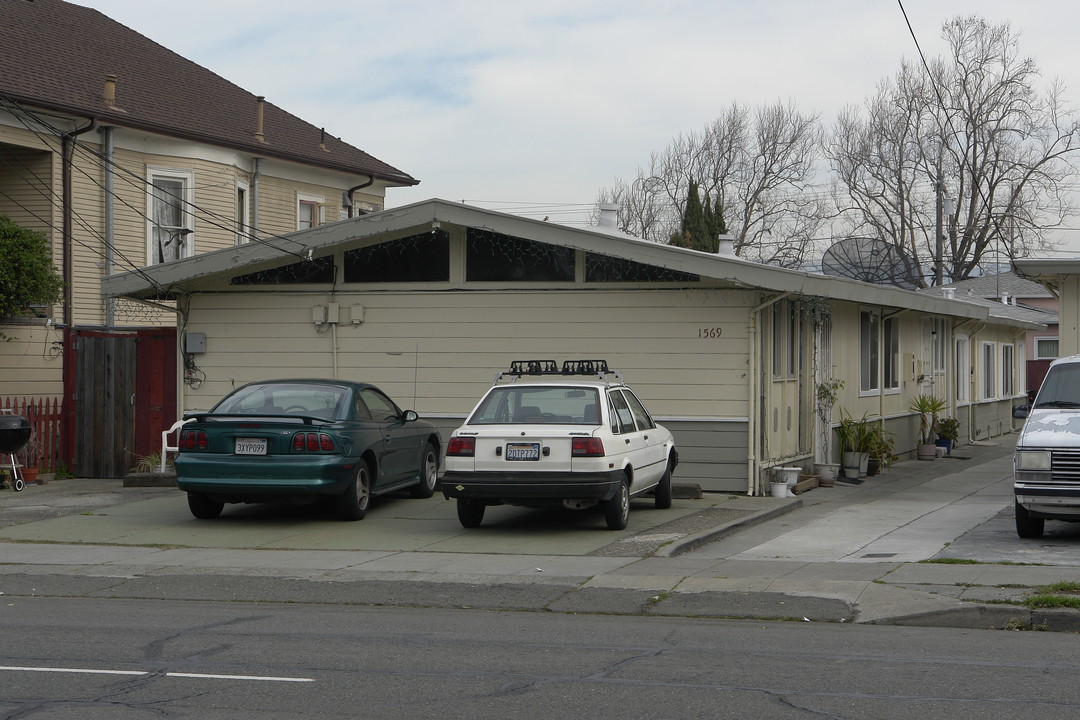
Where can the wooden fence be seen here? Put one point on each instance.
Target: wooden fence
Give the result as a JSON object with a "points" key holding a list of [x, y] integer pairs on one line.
{"points": [[43, 450]]}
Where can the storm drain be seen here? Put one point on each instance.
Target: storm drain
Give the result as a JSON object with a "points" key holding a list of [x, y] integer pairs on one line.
{"points": [[879, 555]]}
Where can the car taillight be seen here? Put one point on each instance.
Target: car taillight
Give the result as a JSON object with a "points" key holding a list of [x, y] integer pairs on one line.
{"points": [[193, 440], [461, 446], [312, 442], [587, 447]]}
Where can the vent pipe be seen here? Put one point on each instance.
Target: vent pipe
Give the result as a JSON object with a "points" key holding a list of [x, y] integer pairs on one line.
{"points": [[949, 293], [109, 95], [609, 215], [260, 110]]}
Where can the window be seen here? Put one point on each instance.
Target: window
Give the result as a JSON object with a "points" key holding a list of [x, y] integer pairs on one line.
{"points": [[989, 377], [890, 330], [242, 214], [309, 211], [1046, 348], [603, 268], [963, 368], [424, 257], [641, 415], [1008, 371], [493, 257], [169, 235], [937, 345], [868, 351]]}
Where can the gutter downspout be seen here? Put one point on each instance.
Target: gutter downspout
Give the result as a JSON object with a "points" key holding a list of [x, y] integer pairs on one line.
{"points": [[753, 462], [349, 194], [107, 135]]}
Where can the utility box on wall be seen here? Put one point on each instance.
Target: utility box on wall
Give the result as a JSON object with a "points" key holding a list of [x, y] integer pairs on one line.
{"points": [[195, 343]]}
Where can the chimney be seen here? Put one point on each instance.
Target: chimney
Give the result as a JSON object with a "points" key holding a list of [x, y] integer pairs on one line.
{"points": [[259, 111], [109, 95], [949, 293], [609, 215], [727, 246]]}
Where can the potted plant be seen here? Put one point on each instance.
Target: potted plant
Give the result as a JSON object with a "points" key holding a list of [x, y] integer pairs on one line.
{"points": [[881, 449], [827, 394], [854, 438], [928, 407], [948, 430], [30, 457]]}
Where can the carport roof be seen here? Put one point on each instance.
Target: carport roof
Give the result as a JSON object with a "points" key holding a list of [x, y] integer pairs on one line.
{"points": [[211, 271]]}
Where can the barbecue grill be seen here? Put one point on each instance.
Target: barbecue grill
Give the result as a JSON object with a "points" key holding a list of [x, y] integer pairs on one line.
{"points": [[14, 434]]}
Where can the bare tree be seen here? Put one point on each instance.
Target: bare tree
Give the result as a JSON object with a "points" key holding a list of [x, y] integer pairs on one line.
{"points": [[977, 120], [759, 164]]}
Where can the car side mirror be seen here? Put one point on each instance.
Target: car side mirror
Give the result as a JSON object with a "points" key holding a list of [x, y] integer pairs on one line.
{"points": [[1020, 412], [410, 416]]}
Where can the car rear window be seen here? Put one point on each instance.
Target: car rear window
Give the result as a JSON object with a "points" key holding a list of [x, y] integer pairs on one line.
{"points": [[325, 401], [511, 405]]}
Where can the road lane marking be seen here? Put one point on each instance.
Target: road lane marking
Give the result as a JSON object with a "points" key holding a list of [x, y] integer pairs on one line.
{"points": [[203, 676]]}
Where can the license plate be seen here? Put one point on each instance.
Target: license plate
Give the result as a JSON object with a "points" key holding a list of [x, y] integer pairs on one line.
{"points": [[250, 446], [522, 451]]}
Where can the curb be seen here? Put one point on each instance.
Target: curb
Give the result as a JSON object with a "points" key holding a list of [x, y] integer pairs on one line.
{"points": [[993, 617], [693, 542]]}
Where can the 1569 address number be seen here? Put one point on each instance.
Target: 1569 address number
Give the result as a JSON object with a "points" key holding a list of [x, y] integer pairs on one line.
{"points": [[709, 333]]}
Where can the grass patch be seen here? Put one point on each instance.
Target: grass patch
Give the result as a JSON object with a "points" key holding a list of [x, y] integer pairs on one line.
{"points": [[950, 561], [1053, 601], [1069, 588]]}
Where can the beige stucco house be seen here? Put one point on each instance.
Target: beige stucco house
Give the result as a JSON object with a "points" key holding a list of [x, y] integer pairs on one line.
{"points": [[127, 155], [430, 300]]}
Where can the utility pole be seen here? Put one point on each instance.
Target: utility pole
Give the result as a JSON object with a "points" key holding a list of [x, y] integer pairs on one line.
{"points": [[939, 247]]}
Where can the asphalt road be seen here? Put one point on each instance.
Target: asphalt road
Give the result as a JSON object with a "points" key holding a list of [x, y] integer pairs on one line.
{"points": [[127, 660]]}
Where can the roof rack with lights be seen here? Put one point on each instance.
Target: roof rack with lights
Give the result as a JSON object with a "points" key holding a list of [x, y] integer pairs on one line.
{"points": [[523, 368]]}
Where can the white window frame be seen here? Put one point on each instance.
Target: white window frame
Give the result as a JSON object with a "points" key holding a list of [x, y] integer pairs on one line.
{"points": [[154, 229], [988, 380], [318, 211], [1039, 339], [870, 353], [963, 368], [1008, 370], [243, 212], [890, 354]]}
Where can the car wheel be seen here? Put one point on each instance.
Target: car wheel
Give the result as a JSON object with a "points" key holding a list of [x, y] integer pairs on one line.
{"points": [[663, 490], [429, 474], [1027, 526], [353, 503], [203, 507], [617, 509], [470, 513]]}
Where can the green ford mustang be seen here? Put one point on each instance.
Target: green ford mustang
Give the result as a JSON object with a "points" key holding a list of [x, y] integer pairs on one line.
{"points": [[303, 441]]}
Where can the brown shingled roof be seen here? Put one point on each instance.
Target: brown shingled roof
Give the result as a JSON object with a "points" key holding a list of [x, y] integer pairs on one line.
{"points": [[56, 56]]}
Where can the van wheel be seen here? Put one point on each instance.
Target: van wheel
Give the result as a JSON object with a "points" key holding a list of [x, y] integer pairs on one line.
{"points": [[1027, 526]]}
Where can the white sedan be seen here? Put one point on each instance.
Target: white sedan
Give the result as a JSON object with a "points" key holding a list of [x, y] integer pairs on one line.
{"points": [[558, 439]]}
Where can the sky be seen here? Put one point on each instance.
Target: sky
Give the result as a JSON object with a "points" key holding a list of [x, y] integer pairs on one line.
{"points": [[533, 107]]}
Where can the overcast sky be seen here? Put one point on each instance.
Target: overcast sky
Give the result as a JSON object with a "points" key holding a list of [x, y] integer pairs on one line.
{"points": [[502, 103]]}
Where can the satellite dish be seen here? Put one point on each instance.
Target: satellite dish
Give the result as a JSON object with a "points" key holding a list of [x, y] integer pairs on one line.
{"points": [[871, 260]]}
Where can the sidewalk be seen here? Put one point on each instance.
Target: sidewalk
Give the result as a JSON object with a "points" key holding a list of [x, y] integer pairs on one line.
{"points": [[846, 554]]}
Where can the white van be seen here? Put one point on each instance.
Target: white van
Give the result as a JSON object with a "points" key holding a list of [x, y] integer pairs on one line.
{"points": [[1046, 467]]}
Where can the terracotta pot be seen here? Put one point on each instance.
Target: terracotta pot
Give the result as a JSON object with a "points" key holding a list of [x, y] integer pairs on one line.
{"points": [[926, 452]]}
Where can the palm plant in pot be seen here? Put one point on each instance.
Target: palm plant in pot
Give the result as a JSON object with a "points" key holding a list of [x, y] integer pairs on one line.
{"points": [[928, 407], [855, 438]]}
